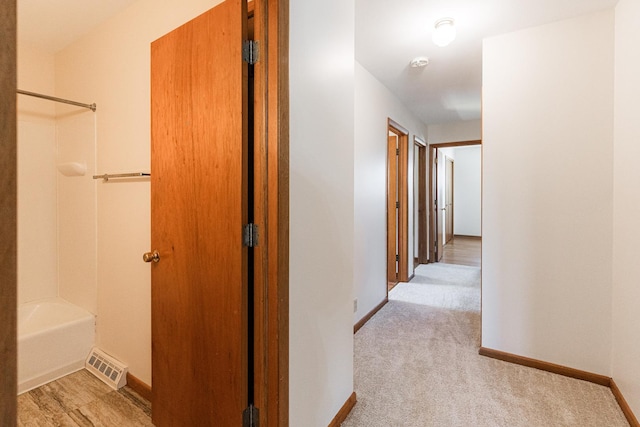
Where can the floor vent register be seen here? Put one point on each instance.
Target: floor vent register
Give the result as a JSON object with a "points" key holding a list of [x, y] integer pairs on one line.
{"points": [[111, 371]]}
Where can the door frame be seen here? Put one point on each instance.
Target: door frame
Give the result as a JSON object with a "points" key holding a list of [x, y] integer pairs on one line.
{"points": [[403, 214], [8, 225], [449, 185], [433, 248], [422, 217], [271, 211]]}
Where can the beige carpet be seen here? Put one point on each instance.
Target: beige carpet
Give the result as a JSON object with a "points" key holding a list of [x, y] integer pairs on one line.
{"points": [[417, 364]]}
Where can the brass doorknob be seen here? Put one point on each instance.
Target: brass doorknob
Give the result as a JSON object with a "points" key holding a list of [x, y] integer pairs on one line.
{"points": [[151, 256]]}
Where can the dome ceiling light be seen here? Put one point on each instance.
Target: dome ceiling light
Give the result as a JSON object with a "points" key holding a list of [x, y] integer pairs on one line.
{"points": [[445, 32]]}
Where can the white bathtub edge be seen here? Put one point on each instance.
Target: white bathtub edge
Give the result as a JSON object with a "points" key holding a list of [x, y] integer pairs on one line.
{"points": [[36, 382]]}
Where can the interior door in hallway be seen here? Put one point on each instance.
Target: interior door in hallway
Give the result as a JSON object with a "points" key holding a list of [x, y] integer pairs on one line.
{"points": [[439, 203], [393, 206], [199, 205], [397, 204], [448, 200], [421, 239]]}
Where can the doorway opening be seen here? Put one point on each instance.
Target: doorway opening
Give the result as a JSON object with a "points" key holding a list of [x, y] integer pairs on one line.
{"points": [[450, 241]]}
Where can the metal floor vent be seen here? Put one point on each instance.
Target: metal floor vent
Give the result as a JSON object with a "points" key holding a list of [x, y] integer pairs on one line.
{"points": [[109, 370]]}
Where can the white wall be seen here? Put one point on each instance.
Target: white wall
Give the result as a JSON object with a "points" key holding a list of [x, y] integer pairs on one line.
{"points": [[321, 209], [467, 190], [77, 231], [374, 104], [111, 67], [468, 130], [37, 216], [626, 205], [547, 192]]}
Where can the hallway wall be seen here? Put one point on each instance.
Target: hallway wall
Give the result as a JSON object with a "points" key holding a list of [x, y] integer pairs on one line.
{"points": [[321, 209], [464, 130], [547, 219], [374, 104], [626, 205]]}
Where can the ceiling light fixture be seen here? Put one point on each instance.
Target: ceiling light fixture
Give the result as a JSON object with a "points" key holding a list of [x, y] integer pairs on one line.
{"points": [[419, 62], [445, 32]]}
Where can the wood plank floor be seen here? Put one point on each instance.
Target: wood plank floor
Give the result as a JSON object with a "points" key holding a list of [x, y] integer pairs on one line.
{"points": [[81, 399], [462, 250]]}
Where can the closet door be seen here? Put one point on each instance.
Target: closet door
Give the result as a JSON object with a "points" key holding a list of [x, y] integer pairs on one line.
{"points": [[198, 208]]}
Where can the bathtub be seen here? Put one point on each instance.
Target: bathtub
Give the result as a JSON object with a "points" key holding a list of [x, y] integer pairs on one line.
{"points": [[54, 339]]}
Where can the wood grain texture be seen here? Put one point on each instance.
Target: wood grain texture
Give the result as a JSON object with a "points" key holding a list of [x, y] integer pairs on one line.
{"points": [[624, 406], [81, 399], [271, 208], [140, 387], [403, 214], [392, 199], [276, 32], [398, 184], [545, 366], [343, 413], [449, 189], [440, 205], [199, 206], [463, 251], [423, 238], [8, 207], [431, 201], [369, 315], [457, 143]]}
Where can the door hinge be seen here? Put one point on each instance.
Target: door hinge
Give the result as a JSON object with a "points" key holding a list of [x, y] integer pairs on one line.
{"points": [[397, 151], [250, 417], [397, 257], [250, 51], [250, 235], [397, 205]]}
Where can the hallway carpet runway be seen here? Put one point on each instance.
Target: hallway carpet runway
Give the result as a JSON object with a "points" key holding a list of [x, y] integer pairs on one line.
{"points": [[417, 364]]}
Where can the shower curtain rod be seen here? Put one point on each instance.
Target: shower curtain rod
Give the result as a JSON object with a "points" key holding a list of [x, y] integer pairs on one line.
{"points": [[92, 107]]}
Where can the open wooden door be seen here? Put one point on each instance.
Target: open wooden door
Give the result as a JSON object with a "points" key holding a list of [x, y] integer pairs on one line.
{"points": [[436, 199], [448, 184], [199, 199], [397, 204], [393, 206], [439, 205], [420, 219]]}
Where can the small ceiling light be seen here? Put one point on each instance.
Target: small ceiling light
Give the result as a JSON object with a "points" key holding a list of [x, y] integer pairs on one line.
{"points": [[419, 62], [445, 32]]}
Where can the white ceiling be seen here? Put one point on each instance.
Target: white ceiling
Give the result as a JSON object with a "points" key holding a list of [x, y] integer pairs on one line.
{"points": [[52, 25], [389, 34]]}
